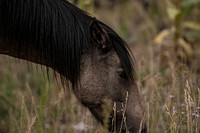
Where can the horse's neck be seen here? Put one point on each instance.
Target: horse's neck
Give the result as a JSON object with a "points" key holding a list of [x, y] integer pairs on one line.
{"points": [[40, 31], [28, 53], [15, 34]]}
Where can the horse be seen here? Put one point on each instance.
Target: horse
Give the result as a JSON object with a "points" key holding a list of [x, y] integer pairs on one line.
{"points": [[85, 52]]}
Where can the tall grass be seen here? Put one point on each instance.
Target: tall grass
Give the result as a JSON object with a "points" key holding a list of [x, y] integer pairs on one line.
{"points": [[33, 103], [171, 99]]}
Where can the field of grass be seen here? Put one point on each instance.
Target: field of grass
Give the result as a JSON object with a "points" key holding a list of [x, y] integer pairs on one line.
{"points": [[31, 102]]}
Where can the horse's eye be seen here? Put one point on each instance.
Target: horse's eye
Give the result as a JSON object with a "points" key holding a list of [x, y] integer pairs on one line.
{"points": [[123, 74]]}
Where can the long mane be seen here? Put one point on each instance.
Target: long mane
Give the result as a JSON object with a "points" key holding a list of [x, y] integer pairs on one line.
{"points": [[59, 30]]}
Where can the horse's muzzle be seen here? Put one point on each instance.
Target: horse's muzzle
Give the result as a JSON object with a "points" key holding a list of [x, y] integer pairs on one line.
{"points": [[143, 130], [133, 130]]}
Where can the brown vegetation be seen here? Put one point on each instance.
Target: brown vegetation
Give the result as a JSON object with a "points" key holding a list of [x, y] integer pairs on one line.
{"points": [[167, 53]]}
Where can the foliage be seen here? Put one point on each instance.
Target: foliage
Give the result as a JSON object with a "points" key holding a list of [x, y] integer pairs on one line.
{"points": [[177, 12]]}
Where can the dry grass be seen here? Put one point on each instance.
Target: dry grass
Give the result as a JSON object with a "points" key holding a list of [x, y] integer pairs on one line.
{"points": [[30, 102], [171, 96]]}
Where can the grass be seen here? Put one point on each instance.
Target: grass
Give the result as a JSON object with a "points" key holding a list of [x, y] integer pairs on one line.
{"points": [[171, 95], [32, 103]]}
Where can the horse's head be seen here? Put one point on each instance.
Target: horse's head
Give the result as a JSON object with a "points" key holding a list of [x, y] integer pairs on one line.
{"points": [[105, 77]]}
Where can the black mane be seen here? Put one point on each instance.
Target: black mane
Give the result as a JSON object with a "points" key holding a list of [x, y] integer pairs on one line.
{"points": [[58, 29]]}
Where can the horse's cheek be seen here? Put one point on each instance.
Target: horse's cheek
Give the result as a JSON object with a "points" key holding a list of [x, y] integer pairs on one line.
{"points": [[90, 92]]}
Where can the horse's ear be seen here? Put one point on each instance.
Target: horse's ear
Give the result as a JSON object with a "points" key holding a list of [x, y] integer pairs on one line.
{"points": [[100, 36]]}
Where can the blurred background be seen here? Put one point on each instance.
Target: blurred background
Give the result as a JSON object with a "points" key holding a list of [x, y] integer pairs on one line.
{"points": [[164, 37]]}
